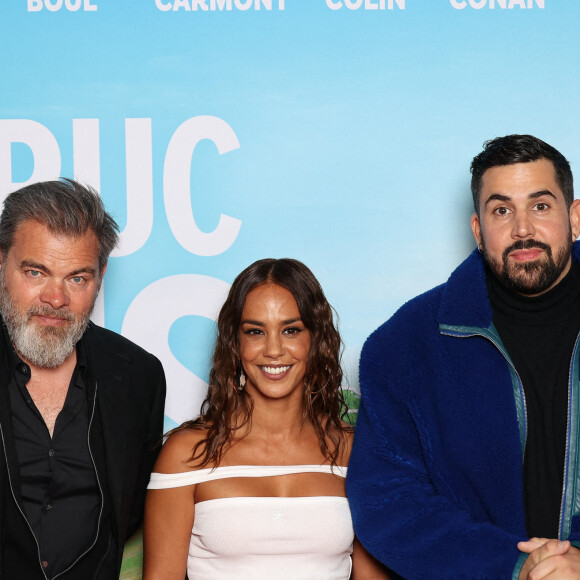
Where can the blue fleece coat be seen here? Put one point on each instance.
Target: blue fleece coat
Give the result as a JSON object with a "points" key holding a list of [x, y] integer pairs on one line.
{"points": [[435, 476]]}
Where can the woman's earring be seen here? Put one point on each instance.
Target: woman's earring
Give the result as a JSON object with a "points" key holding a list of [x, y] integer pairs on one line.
{"points": [[241, 381]]}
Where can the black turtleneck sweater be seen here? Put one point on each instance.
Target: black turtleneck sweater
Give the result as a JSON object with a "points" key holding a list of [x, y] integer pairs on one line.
{"points": [[539, 334]]}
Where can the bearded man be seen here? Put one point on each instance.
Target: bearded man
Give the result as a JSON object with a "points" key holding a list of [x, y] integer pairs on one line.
{"points": [[81, 408], [466, 458]]}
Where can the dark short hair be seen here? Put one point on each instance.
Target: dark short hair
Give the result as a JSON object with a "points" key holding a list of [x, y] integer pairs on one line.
{"points": [[64, 207], [520, 149]]}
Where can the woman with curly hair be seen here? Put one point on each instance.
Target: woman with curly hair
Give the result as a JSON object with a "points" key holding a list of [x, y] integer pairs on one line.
{"points": [[254, 487]]}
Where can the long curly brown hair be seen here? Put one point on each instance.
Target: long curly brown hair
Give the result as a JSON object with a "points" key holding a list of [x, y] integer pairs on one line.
{"points": [[226, 409]]}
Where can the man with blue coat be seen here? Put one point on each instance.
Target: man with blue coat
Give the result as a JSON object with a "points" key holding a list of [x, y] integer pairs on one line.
{"points": [[466, 459]]}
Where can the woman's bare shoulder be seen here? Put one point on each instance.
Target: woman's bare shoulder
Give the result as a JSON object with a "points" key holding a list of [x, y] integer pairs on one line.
{"points": [[340, 436], [347, 435], [176, 453]]}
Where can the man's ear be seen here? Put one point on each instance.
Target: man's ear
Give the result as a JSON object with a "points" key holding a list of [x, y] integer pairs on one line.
{"points": [[476, 229], [575, 219]]}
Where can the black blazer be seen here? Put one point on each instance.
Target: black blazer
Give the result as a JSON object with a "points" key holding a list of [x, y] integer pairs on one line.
{"points": [[130, 399]]}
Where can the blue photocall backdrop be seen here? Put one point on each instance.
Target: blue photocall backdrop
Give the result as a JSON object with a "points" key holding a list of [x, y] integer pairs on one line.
{"points": [[218, 132]]}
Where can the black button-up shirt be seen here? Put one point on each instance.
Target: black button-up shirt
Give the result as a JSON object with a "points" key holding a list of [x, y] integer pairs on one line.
{"points": [[59, 487]]}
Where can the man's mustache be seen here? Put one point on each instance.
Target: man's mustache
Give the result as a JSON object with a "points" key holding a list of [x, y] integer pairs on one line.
{"points": [[526, 245], [51, 312]]}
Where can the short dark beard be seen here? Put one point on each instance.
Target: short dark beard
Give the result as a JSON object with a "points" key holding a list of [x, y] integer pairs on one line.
{"points": [[533, 277]]}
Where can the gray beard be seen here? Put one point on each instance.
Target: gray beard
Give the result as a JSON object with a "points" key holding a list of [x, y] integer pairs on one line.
{"points": [[43, 346]]}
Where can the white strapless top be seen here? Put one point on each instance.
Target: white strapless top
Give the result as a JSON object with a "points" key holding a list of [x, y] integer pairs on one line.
{"points": [[265, 538]]}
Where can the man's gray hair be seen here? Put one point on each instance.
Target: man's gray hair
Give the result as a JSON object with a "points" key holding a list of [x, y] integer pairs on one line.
{"points": [[64, 207]]}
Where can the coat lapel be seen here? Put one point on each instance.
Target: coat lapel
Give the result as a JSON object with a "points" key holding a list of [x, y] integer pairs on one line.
{"points": [[112, 400]]}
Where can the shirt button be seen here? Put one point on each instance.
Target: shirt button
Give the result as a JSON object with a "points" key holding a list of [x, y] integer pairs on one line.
{"points": [[44, 563], [23, 368], [51, 452], [48, 507]]}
